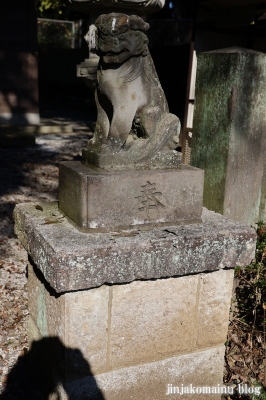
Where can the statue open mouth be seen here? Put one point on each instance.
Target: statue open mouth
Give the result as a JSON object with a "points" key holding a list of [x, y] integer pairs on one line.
{"points": [[116, 57], [115, 53]]}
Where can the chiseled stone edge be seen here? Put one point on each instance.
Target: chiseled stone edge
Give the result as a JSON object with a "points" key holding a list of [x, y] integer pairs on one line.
{"points": [[72, 260], [150, 380]]}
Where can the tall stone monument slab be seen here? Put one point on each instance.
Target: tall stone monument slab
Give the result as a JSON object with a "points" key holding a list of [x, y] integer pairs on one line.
{"points": [[229, 140]]}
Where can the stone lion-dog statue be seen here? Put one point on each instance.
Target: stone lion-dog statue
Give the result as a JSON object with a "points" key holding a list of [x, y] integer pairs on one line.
{"points": [[133, 116]]}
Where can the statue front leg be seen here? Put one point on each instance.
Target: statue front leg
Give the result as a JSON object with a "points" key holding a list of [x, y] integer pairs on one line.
{"points": [[102, 127], [121, 126]]}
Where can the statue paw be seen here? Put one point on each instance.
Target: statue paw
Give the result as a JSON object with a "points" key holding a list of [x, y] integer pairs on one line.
{"points": [[114, 144], [94, 144], [173, 142]]}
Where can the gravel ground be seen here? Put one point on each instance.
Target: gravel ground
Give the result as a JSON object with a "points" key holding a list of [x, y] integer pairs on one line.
{"points": [[27, 174]]}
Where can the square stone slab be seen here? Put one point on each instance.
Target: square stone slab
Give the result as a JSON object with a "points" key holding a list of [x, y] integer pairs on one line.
{"points": [[73, 260], [104, 200]]}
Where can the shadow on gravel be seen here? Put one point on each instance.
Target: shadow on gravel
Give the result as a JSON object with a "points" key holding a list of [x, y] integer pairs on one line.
{"points": [[16, 162], [48, 370]]}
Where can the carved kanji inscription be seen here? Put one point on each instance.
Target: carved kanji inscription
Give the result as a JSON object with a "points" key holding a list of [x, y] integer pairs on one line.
{"points": [[149, 198]]}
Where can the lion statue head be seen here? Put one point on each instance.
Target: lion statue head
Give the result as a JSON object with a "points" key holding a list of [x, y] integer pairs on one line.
{"points": [[119, 37]]}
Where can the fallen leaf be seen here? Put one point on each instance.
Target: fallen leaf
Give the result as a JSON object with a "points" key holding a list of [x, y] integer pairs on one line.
{"points": [[125, 234], [52, 222]]}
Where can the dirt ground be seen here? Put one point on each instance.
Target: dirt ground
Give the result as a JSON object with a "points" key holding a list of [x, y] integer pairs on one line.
{"points": [[27, 174]]}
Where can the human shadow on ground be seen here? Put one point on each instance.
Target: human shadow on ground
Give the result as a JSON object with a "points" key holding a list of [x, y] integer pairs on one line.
{"points": [[49, 368]]}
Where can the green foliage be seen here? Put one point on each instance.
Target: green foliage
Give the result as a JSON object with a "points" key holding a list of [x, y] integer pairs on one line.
{"points": [[54, 35], [262, 395], [53, 9], [251, 291]]}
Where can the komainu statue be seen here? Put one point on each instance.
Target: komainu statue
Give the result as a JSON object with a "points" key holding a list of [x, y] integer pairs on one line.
{"points": [[134, 127]]}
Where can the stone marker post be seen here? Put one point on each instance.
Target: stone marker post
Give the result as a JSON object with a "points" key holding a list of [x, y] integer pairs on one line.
{"points": [[229, 140], [129, 280]]}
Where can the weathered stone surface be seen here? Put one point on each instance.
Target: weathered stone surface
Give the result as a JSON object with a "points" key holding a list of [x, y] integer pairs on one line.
{"points": [[33, 331], [86, 325], [121, 325], [110, 200], [78, 319], [150, 380], [229, 126], [47, 311], [124, 325], [73, 260], [129, 160], [152, 319], [215, 292]]}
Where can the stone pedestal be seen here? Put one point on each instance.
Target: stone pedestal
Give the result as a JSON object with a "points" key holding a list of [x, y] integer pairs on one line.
{"points": [[229, 126], [103, 200], [126, 314]]}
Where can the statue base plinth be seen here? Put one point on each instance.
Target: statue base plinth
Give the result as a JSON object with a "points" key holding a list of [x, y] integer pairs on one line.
{"points": [[106, 201], [123, 161]]}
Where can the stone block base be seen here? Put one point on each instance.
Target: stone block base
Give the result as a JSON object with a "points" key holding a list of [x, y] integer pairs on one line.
{"points": [[132, 340], [105, 200], [125, 314], [152, 381], [190, 376]]}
